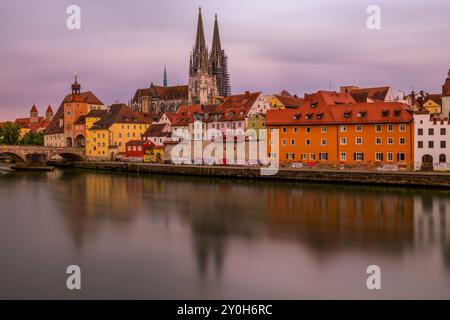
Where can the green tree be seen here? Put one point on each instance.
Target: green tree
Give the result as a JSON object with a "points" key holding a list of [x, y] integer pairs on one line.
{"points": [[9, 134], [33, 138]]}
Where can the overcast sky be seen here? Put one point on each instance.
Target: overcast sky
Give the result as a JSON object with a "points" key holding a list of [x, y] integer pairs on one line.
{"points": [[301, 46]]}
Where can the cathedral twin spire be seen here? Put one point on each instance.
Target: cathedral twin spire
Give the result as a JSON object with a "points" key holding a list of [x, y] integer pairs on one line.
{"points": [[208, 73]]}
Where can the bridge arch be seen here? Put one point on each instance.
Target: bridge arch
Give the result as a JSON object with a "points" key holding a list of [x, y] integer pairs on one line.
{"points": [[68, 156], [14, 156]]}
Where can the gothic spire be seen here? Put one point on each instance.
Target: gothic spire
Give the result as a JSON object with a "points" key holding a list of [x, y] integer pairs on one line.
{"points": [[216, 47], [165, 77], [200, 43]]}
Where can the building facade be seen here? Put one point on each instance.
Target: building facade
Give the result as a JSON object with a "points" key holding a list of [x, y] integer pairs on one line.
{"points": [[61, 131], [431, 141], [158, 99], [332, 129], [107, 136]]}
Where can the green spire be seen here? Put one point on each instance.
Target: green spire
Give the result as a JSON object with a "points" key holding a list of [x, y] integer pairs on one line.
{"points": [[165, 77]]}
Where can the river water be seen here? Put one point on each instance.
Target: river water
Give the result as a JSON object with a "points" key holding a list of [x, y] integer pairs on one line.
{"points": [[167, 237]]}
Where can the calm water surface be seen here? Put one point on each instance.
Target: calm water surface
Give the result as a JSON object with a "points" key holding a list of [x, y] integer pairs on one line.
{"points": [[144, 236]]}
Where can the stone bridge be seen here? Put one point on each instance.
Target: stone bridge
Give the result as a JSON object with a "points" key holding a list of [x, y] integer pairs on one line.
{"points": [[41, 154]]}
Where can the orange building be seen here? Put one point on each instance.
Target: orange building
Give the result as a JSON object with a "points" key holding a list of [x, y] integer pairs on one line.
{"points": [[331, 128]]}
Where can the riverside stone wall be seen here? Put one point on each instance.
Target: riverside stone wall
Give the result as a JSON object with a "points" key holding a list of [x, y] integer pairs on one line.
{"points": [[312, 175]]}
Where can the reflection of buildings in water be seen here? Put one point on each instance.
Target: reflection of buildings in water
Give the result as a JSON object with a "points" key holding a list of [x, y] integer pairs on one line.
{"points": [[432, 225], [86, 199], [328, 217], [214, 209]]}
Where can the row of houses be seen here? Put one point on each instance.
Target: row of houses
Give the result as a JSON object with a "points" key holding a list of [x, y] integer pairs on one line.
{"points": [[354, 127]]}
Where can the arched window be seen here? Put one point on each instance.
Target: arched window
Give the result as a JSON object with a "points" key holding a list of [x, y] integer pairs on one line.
{"points": [[442, 158]]}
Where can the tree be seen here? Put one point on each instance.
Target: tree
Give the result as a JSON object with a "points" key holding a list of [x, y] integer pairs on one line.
{"points": [[33, 138], [9, 134]]}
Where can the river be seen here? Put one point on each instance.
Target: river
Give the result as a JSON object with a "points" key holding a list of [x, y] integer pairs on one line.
{"points": [[175, 237]]}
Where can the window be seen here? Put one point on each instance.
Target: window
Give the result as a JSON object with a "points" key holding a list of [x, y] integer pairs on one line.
{"points": [[377, 140], [308, 129], [293, 142], [358, 156], [442, 158], [420, 144], [420, 132], [284, 130], [431, 132], [390, 128], [295, 130], [312, 156], [304, 156], [402, 141], [443, 131], [324, 129], [358, 141], [323, 156], [323, 142], [390, 156], [378, 128], [358, 128], [283, 142], [139, 148], [402, 128], [290, 156], [343, 128], [401, 156], [431, 144], [343, 156], [307, 142], [443, 144], [390, 141], [378, 156], [343, 141]]}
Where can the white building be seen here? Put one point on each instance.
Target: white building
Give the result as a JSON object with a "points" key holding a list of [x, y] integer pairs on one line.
{"points": [[431, 142]]}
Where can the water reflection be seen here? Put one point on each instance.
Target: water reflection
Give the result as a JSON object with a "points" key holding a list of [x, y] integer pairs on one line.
{"points": [[325, 219]]}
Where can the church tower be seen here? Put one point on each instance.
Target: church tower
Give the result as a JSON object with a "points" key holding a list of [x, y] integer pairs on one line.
{"points": [[165, 82], [446, 97], [219, 63], [202, 83]]}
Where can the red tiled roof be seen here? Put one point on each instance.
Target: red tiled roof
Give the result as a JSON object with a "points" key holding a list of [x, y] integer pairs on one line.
{"points": [[375, 93], [437, 98], [246, 101], [327, 108], [49, 109], [157, 130], [139, 143], [290, 101], [33, 109], [121, 113]]}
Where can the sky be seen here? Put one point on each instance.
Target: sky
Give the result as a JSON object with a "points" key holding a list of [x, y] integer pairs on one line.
{"points": [[301, 46]]}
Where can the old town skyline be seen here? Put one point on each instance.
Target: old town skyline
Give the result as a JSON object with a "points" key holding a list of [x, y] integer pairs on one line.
{"points": [[271, 45]]}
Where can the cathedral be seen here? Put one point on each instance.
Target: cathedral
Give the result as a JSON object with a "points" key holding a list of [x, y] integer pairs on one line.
{"points": [[208, 71], [209, 79]]}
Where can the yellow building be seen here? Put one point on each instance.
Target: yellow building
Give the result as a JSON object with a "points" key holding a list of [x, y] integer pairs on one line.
{"points": [[433, 103], [154, 153], [284, 100], [106, 137]]}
